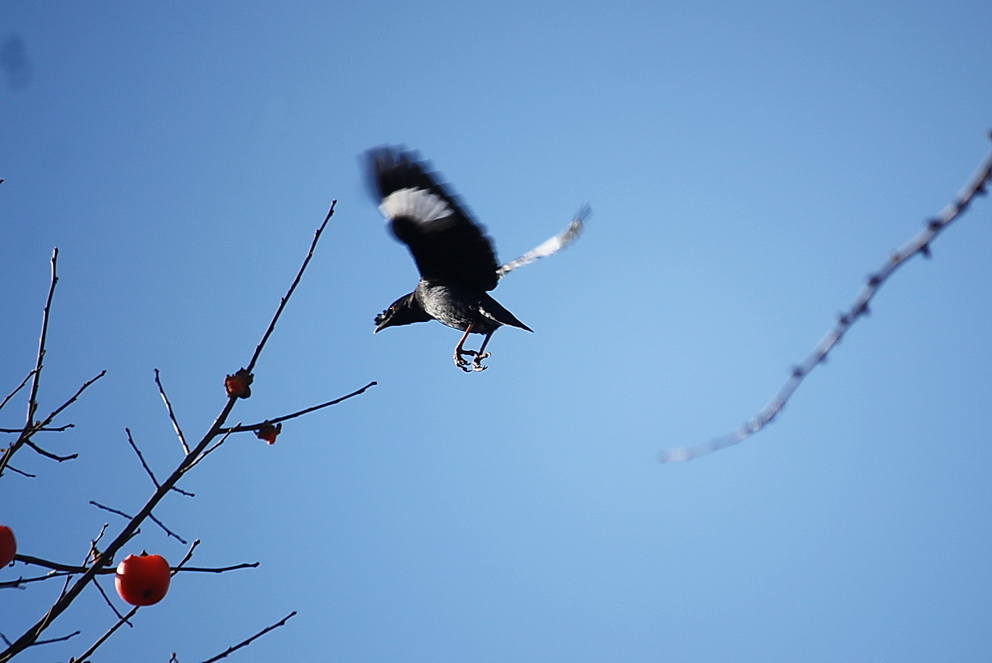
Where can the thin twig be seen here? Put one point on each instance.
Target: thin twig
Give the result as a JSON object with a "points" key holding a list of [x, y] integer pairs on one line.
{"points": [[68, 577], [151, 517], [185, 493], [61, 638], [26, 434], [172, 415], [49, 454], [231, 650], [18, 388], [130, 440], [30, 426], [125, 619], [48, 564], [111, 510], [93, 556], [289, 293], [47, 429], [72, 399], [209, 450], [919, 245], [21, 472], [252, 427], [188, 556], [16, 584], [220, 569], [35, 379], [117, 613]]}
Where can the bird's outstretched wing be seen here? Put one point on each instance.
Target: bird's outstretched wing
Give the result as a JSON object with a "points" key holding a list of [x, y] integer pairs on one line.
{"points": [[551, 245], [445, 242]]}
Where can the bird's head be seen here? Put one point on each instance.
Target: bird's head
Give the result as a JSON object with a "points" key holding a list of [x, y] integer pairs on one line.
{"points": [[404, 311], [383, 320]]}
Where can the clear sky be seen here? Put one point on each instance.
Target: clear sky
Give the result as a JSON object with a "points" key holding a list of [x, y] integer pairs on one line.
{"points": [[748, 164]]}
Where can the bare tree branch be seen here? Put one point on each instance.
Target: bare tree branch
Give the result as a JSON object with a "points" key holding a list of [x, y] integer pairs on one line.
{"points": [[47, 429], [61, 638], [111, 510], [183, 492], [93, 555], [26, 434], [59, 568], [106, 599], [918, 245], [188, 556], [130, 440], [17, 389], [72, 399], [58, 639], [231, 650], [21, 472], [253, 427], [36, 377], [150, 516], [55, 566], [172, 415], [32, 634], [30, 425], [210, 449], [48, 454], [292, 287], [17, 584], [219, 569], [125, 619]]}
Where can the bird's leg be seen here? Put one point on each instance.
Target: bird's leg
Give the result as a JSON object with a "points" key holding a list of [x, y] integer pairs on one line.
{"points": [[460, 352], [482, 354]]}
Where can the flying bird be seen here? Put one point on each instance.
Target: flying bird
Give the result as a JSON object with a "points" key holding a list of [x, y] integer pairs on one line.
{"points": [[455, 257]]}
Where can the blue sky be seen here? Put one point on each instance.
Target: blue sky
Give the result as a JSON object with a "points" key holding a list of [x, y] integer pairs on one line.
{"points": [[747, 166]]}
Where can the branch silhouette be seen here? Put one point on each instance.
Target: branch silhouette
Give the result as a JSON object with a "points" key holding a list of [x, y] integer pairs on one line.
{"points": [[245, 643], [918, 245], [268, 422], [99, 561], [31, 426]]}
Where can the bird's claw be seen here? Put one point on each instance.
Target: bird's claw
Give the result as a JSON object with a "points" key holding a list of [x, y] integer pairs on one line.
{"points": [[477, 362], [461, 363], [475, 365]]}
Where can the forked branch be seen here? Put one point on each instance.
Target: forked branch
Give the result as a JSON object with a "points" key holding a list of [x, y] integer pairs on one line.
{"points": [[101, 560]]}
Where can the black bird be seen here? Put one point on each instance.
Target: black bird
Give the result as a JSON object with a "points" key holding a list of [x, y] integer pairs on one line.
{"points": [[455, 258]]}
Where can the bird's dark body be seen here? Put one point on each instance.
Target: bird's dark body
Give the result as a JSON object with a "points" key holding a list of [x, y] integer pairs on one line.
{"points": [[461, 308]]}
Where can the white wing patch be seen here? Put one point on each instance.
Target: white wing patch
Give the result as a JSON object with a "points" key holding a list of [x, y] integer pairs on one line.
{"points": [[550, 246], [417, 204]]}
